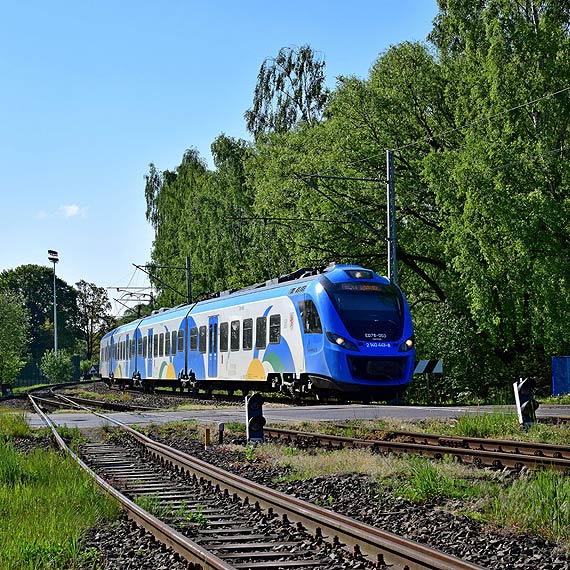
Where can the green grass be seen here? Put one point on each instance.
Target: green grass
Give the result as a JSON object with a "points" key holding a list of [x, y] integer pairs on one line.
{"points": [[538, 503], [26, 389], [13, 424], [426, 481], [563, 400], [46, 504], [496, 425]]}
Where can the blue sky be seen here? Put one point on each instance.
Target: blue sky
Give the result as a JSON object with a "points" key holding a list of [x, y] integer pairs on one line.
{"points": [[92, 92]]}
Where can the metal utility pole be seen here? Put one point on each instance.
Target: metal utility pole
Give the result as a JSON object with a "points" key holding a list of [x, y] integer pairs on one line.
{"points": [[54, 258], [188, 281], [391, 217]]}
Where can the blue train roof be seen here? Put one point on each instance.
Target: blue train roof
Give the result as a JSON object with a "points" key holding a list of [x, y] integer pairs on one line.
{"points": [[283, 285]]}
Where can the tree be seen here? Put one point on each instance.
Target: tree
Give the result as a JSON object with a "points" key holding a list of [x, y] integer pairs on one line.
{"points": [[290, 89], [171, 196], [58, 368], [14, 320], [94, 314], [34, 284], [504, 188]]}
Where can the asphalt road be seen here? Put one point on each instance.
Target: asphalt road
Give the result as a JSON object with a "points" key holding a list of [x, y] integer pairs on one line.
{"points": [[286, 414]]}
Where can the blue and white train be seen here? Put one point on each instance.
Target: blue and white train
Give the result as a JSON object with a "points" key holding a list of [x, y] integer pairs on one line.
{"points": [[344, 330]]}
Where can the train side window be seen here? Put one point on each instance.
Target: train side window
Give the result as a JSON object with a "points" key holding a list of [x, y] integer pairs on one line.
{"points": [[145, 344], [167, 344], [202, 343], [223, 337], [140, 346], [261, 332], [234, 340], [161, 345], [180, 341], [247, 334], [193, 338], [274, 329], [173, 344], [133, 347], [155, 351], [311, 319]]}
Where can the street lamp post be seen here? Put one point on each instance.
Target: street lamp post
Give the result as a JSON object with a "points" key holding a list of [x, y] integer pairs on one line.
{"points": [[54, 258]]}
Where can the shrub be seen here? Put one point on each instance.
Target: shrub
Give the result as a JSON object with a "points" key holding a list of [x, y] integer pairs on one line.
{"points": [[57, 367]]}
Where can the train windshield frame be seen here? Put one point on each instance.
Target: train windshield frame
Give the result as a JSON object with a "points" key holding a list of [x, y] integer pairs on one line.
{"points": [[369, 311]]}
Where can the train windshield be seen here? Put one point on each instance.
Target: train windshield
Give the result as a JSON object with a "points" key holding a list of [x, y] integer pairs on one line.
{"points": [[370, 311]]}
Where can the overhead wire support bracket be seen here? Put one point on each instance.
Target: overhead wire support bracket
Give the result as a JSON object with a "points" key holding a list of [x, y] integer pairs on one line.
{"points": [[304, 177], [188, 295], [390, 207]]}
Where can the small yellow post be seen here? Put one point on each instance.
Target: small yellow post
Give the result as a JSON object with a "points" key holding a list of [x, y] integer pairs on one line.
{"points": [[206, 438]]}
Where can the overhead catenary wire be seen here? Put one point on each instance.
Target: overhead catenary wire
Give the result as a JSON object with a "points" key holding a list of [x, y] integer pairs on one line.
{"points": [[462, 127]]}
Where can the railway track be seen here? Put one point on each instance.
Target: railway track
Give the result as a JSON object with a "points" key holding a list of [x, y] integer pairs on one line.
{"points": [[56, 401], [482, 452], [227, 512], [496, 453]]}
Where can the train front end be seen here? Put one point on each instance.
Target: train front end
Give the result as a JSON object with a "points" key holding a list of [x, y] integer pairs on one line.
{"points": [[368, 344]]}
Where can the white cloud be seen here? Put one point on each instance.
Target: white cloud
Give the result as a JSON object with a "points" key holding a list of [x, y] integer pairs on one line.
{"points": [[71, 211]]}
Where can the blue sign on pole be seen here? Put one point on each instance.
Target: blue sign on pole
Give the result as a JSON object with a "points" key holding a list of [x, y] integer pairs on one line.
{"points": [[560, 375]]}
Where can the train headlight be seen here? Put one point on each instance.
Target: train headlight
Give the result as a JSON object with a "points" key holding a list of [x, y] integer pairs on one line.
{"points": [[407, 345], [341, 341]]}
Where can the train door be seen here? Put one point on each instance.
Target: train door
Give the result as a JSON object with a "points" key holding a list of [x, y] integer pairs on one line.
{"points": [[213, 346]]}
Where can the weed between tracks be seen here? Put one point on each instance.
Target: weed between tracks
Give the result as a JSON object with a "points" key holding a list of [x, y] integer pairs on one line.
{"points": [[151, 503]]}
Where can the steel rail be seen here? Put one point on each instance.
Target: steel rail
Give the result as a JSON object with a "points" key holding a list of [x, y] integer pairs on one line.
{"points": [[495, 459], [556, 451], [116, 406], [170, 537], [379, 545]]}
